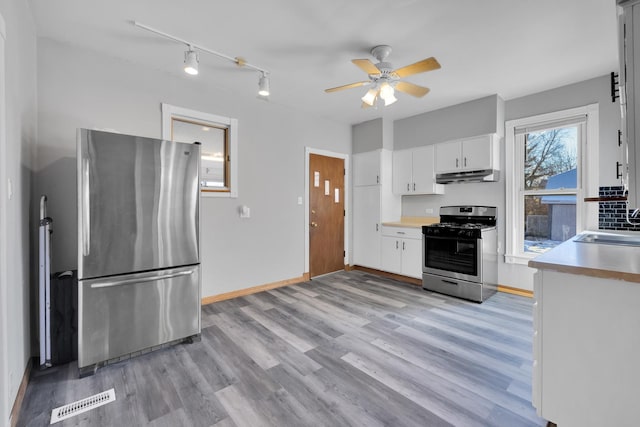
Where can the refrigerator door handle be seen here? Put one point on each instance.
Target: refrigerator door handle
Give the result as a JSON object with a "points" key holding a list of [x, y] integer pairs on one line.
{"points": [[140, 279], [86, 216]]}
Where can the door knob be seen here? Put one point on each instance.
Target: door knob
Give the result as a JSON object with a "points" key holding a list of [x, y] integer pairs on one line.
{"points": [[313, 211], [314, 224]]}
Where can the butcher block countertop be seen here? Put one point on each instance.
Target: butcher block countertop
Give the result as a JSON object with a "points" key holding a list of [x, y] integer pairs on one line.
{"points": [[413, 221], [592, 259]]}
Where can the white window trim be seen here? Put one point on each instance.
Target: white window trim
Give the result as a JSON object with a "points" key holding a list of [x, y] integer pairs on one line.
{"points": [[586, 214], [171, 111]]}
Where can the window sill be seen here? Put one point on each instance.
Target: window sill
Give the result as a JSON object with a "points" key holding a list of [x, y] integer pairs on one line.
{"points": [[219, 194], [520, 259]]}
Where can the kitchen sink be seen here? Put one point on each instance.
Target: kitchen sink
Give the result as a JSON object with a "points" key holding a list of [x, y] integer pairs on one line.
{"points": [[609, 239]]}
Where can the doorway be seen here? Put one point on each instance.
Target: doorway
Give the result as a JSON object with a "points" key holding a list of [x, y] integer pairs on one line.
{"points": [[327, 213]]}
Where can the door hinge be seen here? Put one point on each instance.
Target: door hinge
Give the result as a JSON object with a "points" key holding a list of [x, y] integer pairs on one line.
{"points": [[344, 171], [344, 212], [344, 253]]}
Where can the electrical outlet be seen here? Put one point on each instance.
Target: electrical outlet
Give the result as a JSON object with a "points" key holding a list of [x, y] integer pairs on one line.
{"points": [[429, 210]]}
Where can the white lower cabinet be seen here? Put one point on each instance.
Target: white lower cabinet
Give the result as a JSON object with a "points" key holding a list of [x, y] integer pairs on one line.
{"points": [[586, 346], [401, 251]]}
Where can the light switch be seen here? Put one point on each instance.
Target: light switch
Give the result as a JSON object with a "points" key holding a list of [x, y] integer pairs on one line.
{"points": [[245, 212], [299, 200]]}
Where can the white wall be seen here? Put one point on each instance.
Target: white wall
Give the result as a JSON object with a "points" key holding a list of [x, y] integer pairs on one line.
{"points": [[16, 166], [81, 88], [473, 117]]}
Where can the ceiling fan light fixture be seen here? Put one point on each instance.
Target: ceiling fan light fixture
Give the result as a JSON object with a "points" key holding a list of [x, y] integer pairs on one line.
{"points": [[263, 85], [191, 62], [369, 98], [387, 94]]}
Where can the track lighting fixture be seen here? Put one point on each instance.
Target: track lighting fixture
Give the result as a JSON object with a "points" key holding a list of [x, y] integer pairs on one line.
{"points": [[191, 58], [191, 62], [263, 85]]}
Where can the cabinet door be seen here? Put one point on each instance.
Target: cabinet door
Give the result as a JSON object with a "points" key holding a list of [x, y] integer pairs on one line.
{"points": [[366, 226], [391, 254], [477, 153], [424, 174], [412, 258], [402, 177], [366, 168], [448, 156]]}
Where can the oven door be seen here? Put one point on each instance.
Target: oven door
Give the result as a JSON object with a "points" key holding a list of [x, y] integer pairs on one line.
{"points": [[454, 257]]}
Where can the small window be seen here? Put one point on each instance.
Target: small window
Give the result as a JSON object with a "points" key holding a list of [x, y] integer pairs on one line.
{"points": [[217, 136]]}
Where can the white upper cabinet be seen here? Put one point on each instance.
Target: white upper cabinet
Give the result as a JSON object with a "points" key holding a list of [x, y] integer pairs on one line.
{"points": [[468, 154], [366, 168], [448, 156], [414, 171]]}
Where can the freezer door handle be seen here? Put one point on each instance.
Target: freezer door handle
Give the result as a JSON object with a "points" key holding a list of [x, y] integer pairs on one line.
{"points": [[140, 279], [86, 216]]}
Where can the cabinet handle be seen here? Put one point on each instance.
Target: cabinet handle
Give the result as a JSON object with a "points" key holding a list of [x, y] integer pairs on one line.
{"points": [[377, 179], [618, 173], [407, 186], [465, 162], [396, 244], [457, 162], [376, 227], [403, 245], [414, 186]]}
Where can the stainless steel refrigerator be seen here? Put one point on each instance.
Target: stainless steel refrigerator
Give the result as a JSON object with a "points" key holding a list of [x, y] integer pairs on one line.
{"points": [[138, 245]]}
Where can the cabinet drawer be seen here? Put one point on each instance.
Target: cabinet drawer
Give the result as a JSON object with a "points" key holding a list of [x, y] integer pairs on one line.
{"points": [[402, 232]]}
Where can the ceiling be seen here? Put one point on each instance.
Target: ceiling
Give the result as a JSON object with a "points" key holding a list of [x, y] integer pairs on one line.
{"points": [[507, 47]]}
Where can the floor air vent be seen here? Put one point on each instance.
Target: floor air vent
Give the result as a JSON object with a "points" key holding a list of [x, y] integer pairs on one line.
{"points": [[83, 405]]}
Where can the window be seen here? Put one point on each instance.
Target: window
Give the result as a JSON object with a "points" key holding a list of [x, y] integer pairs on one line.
{"points": [[218, 138], [551, 160]]}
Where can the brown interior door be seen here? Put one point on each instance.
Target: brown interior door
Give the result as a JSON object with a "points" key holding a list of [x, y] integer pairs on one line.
{"points": [[326, 214]]}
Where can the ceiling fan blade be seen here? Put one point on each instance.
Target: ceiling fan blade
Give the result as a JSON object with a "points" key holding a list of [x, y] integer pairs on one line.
{"points": [[419, 67], [411, 89], [349, 86], [366, 66]]}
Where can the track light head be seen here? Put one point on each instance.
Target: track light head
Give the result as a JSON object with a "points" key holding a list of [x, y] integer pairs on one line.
{"points": [[191, 62], [263, 85]]}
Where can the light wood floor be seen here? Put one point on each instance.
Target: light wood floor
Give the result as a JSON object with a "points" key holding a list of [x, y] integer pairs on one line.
{"points": [[346, 349]]}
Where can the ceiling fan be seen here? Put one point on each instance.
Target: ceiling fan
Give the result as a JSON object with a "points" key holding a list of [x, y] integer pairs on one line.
{"points": [[384, 80]]}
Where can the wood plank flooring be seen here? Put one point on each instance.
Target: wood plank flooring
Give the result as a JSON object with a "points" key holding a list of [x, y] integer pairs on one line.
{"points": [[346, 349]]}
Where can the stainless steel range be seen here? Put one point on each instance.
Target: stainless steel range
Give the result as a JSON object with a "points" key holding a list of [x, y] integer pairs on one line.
{"points": [[460, 254]]}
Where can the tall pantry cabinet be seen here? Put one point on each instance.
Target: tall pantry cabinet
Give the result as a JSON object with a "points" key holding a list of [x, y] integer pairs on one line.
{"points": [[373, 203]]}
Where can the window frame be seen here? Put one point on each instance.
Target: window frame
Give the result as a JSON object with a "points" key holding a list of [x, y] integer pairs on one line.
{"points": [[588, 171], [169, 112]]}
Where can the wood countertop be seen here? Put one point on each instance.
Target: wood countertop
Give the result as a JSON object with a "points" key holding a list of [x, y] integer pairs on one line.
{"points": [[413, 221], [592, 259]]}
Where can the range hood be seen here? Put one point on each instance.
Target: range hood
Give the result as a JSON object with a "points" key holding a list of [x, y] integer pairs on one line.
{"points": [[482, 175]]}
